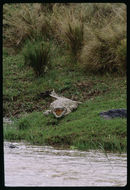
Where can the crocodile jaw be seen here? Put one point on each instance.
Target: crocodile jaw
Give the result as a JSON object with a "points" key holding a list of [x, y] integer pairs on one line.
{"points": [[59, 112]]}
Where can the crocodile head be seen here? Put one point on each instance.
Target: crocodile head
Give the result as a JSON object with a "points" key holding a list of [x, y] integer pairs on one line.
{"points": [[59, 111]]}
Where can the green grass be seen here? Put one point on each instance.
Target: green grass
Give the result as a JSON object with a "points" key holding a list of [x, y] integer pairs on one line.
{"points": [[21, 88], [82, 129]]}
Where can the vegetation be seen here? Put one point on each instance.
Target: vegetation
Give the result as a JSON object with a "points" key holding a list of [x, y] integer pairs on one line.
{"points": [[82, 129], [63, 46], [36, 55], [105, 53], [97, 46]]}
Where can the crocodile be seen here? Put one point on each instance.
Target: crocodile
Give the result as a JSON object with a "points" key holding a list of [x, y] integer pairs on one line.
{"points": [[61, 106]]}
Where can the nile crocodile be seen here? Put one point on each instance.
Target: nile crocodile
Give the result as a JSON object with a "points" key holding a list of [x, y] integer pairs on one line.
{"points": [[61, 106]]}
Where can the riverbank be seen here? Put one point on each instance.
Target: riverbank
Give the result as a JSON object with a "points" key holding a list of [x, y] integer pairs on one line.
{"points": [[82, 129], [66, 49]]}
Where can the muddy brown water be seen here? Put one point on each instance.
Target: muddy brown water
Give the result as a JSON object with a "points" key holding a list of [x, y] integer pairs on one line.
{"points": [[29, 165]]}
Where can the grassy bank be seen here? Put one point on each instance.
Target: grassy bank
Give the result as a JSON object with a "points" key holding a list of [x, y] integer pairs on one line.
{"points": [[82, 129], [78, 58]]}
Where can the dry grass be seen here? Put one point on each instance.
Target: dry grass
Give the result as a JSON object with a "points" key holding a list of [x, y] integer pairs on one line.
{"points": [[106, 52], [94, 34], [105, 48], [69, 31], [23, 22]]}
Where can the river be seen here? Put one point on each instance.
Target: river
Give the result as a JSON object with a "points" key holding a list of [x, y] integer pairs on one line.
{"points": [[29, 165]]}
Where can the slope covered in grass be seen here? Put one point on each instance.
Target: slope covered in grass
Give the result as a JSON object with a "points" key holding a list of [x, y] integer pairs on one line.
{"points": [[83, 128], [86, 62]]}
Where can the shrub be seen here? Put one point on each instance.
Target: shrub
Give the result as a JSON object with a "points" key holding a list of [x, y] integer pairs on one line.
{"points": [[36, 56]]}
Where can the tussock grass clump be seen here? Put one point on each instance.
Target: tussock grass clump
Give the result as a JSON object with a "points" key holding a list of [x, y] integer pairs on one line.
{"points": [[105, 39], [22, 22], [74, 39], [97, 15], [70, 30], [36, 56], [106, 52], [47, 7]]}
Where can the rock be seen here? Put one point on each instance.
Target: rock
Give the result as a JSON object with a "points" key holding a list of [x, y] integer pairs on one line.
{"points": [[114, 113], [12, 146], [61, 106]]}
